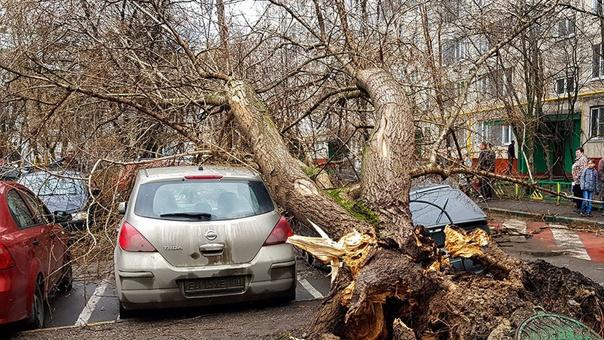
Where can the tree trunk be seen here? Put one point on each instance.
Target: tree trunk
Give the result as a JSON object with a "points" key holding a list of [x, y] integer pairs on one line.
{"points": [[389, 154], [288, 183], [395, 286]]}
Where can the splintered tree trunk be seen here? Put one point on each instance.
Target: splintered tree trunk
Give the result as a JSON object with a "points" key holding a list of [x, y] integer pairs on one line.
{"points": [[287, 181], [388, 157], [392, 289]]}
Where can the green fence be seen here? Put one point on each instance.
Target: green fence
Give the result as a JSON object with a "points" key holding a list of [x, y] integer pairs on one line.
{"points": [[517, 191]]}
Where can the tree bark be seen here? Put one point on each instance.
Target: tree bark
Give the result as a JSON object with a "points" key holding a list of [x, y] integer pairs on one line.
{"points": [[288, 183], [389, 154]]}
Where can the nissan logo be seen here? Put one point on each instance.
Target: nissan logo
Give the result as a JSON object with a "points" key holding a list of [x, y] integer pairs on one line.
{"points": [[211, 235]]}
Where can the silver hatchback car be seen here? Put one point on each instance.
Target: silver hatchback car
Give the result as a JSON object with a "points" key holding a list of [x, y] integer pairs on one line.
{"points": [[193, 237]]}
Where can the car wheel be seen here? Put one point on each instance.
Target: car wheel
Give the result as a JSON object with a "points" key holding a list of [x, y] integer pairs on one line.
{"points": [[37, 316], [309, 258], [290, 295], [125, 313], [66, 282]]}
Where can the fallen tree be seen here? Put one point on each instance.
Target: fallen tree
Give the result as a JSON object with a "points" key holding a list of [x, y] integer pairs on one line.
{"points": [[390, 280], [394, 279]]}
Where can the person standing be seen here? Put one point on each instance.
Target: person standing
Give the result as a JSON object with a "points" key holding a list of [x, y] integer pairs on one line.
{"points": [[492, 157], [491, 168], [589, 185], [578, 166], [485, 164], [601, 182], [511, 156]]}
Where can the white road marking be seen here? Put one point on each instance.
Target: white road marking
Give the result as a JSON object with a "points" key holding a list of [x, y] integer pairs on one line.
{"points": [[518, 225], [91, 304], [310, 289], [569, 242]]}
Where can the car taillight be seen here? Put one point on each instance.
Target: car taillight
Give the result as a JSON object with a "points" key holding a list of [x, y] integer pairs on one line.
{"points": [[131, 239], [280, 233], [6, 260]]}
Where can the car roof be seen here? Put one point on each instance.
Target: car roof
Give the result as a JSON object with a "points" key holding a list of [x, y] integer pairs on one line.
{"points": [[7, 185], [172, 172], [44, 173], [428, 203]]}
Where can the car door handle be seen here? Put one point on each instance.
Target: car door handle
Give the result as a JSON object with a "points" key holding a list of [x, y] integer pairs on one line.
{"points": [[35, 242]]}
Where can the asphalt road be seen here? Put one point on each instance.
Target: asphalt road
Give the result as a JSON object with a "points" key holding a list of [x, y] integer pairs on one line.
{"points": [[95, 303], [90, 303], [576, 249]]}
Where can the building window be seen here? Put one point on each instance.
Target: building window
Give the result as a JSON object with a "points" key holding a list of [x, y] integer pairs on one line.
{"points": [[565, 86], [495, 84], [482, 85], [506, 134], [596, 122], [565, 28], [483, 45], [454, 50], [501, 80], [494, 133], [597, 61], [451, 10], [597, 6], [453, 91]]}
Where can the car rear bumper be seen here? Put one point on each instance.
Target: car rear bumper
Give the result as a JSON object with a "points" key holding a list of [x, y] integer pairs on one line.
{"points": [[174, 298], [12, 302], [147, 280]]}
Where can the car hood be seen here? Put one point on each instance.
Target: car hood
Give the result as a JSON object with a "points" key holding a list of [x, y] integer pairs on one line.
{"points": [[67, 203]]}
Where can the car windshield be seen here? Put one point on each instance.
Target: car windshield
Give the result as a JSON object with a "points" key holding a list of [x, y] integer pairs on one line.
{"points": [[202, 200], [45, 185]]}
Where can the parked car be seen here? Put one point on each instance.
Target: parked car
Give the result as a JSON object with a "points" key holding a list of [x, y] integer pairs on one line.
{"points": [[436, 206], [61, 191], [8, 173], [34, 256], [193, 237]]}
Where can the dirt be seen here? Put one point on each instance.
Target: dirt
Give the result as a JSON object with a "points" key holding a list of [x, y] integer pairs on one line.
{"points": [[257, 322], [566, 292]]}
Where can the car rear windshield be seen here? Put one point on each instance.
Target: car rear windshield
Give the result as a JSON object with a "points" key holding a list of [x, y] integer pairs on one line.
{"points": [[203, 200]]}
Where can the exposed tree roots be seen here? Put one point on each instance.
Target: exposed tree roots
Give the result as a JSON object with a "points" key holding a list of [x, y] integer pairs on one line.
{"points": [[398, 296]]}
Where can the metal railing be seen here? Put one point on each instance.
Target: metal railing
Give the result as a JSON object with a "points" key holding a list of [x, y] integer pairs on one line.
{"points": [[517, 191]]}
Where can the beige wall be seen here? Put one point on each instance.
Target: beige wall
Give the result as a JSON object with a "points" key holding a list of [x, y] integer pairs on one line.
{"points": [[593, 147]]}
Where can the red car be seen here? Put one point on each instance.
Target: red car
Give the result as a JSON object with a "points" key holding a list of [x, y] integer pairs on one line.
{"points": [[34, 256]]}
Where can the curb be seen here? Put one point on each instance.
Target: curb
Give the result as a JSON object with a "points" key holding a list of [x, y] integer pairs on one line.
{"points": [[547, 217], [41, 330]]}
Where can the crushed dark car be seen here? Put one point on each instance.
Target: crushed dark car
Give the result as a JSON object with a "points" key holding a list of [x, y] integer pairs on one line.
{"points": [[63, 192], [435, 206]]}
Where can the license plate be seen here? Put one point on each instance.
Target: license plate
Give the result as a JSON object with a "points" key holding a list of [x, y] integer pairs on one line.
{"points": [[214, 285]]}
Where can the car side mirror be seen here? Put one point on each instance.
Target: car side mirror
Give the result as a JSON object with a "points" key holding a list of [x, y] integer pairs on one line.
{"points": [[61, 216], [121, 207]]}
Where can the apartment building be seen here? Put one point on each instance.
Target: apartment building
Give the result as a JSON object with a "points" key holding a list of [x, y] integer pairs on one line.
{"points": [[541, 86]]}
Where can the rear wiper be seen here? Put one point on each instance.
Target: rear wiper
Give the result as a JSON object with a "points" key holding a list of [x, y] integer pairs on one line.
{"points": [[201, 216]]}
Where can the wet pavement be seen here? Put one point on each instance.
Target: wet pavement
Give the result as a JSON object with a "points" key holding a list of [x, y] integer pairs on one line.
{"points": [[562, 245], [96, 302]]}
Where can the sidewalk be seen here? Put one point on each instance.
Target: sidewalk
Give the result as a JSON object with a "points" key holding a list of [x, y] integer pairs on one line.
{"points": [[548, 211]]}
